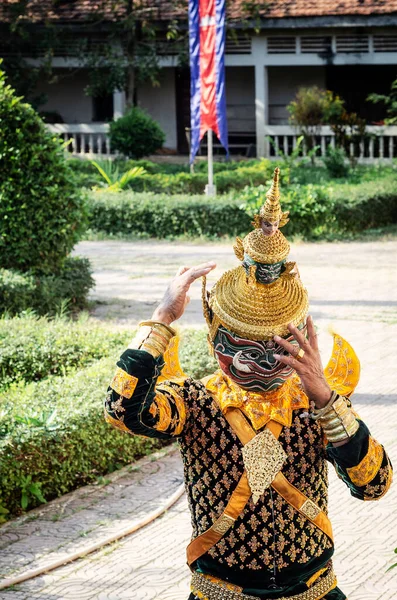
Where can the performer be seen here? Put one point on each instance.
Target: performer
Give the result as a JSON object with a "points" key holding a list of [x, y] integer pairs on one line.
{"points": [[256, 436]]}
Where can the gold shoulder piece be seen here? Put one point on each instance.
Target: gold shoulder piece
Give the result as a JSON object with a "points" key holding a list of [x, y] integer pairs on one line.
{"points": [[239, 248], [172, 368], [343, 369]]}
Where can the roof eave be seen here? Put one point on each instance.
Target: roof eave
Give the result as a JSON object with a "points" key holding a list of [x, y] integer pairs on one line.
{"points": [[322, 22]]}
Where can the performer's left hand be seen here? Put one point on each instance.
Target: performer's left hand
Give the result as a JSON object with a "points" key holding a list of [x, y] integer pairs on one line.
{"points": [[309, 367]]}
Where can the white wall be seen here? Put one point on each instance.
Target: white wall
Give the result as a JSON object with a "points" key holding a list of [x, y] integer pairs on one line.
{"points": [[160, 103], [240, 98], [284, 82], [67, 97]]}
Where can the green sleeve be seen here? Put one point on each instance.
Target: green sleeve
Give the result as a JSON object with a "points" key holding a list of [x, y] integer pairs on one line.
{"points": [[362, 464], [135, 404]]}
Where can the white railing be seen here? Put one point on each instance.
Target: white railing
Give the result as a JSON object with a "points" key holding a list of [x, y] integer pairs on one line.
{"points": [[381, 142], [91, 139], [84, 139]]}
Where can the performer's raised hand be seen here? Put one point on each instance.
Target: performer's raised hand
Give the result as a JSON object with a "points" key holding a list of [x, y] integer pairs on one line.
{"points": [[176, 296], [306, 361]]}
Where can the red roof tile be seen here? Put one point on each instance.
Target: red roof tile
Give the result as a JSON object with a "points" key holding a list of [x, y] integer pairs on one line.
{"points": [[78, 11]]}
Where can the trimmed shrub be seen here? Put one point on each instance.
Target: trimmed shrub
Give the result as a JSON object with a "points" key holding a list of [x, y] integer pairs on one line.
{"points": [[176, 179], [54, 431], [33, 348], [136, 134], [164, 216], [368, 205], [45, 294], [194, 355], [42, 212], [317, 211]]}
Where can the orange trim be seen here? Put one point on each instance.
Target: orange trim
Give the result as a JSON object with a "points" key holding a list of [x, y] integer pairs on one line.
{"points": [[295, 498], [202, 543]]}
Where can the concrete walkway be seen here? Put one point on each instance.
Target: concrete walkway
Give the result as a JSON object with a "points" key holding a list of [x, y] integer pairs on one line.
{"points": [[353, 286]]}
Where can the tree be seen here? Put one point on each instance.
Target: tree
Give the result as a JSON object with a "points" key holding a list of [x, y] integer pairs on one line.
{"points": [[311, 109], [130, 31], [389, 101], [314, 107]]}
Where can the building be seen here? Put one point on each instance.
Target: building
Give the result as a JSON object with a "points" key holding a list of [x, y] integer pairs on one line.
{"points": [[274, 47]]}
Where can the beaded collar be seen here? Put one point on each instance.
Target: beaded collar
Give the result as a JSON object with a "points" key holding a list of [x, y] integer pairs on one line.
{"points": [[260, 408]]}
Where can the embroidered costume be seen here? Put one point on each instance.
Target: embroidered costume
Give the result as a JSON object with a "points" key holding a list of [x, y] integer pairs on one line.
{"points": [[255, 453]]}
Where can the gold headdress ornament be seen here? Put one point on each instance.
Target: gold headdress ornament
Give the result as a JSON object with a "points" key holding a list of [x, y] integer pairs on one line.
{"points": [[271, 210], [242, 300]]}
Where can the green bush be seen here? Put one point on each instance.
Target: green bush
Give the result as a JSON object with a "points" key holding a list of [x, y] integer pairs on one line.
{"points": [[42, 213], [195, 357], [176, 179], [45, 294], [336, 163], [163, 216], [136, 134], [317, 211], [33, 348], [365, 206], [54, 431]]}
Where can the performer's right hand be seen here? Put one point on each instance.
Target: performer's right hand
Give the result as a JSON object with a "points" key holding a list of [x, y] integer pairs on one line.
{"points": [[176, 297]]}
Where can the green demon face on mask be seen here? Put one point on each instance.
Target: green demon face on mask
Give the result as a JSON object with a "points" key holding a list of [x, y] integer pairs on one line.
{"points": [[251, 364]]}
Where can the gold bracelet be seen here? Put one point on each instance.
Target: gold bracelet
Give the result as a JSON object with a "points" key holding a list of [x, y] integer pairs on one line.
{"points": [[336, 419], [161, 326], [156, 337]]}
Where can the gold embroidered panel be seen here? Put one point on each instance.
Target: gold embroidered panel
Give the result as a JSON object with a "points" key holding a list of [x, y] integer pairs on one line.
{"points": [[368, 468], [310, 509], [118, 423], [263, 458], [123, 383]]}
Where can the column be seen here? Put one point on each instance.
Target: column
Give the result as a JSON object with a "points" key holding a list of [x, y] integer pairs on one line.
{"points": [[118, 104], [261, 108]]}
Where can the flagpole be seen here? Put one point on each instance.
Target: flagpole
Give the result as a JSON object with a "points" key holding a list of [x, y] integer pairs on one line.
{"points": [[210, 188]]}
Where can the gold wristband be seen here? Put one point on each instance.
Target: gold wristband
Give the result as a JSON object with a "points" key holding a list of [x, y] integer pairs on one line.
{"points": [[337, 419], [156, 337]]}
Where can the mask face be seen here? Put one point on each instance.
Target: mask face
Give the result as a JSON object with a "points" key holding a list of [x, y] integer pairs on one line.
{"points": [[249, 363]]}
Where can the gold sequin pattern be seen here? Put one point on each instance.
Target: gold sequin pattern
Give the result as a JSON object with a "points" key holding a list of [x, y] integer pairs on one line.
{"points": [[209, 588], [213, 463], [123, 383], [257, 311]]}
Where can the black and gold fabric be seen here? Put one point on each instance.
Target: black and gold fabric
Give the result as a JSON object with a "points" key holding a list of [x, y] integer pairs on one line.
{"points": [[271, 550]]}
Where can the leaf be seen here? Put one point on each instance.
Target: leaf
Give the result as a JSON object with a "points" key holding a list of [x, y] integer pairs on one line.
{"points": [[24, 500], [102, 172]]}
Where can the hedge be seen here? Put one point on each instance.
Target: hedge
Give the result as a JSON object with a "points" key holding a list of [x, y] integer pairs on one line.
{"points": [[177, 179], [164, 216], [53, 433], [46, 294], [317, 211], [33, 348]]}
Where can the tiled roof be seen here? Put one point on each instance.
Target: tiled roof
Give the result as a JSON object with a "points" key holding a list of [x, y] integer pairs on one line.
{"points": [[77, 11]]}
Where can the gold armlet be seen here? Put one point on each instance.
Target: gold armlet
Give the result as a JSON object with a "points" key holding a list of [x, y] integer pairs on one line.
{"points": [[153, 337], [336, 419]]}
